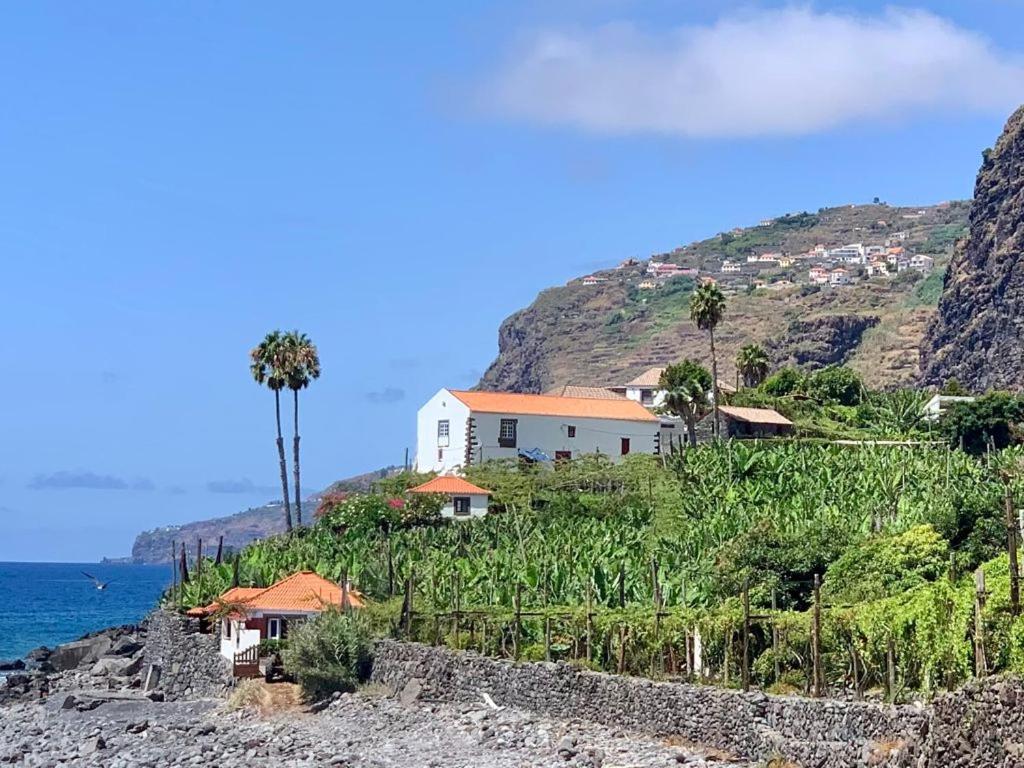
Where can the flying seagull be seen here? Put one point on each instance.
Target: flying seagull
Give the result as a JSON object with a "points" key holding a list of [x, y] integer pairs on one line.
{"points": [[101, 585]]}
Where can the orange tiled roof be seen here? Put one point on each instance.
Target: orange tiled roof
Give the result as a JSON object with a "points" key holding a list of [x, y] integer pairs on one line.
{"points": [[549, 405], [448, 484], [755, 415], [301, 592], [649, 378]]}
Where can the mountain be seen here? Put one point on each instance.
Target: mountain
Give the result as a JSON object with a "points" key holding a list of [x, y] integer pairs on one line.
{"points": [[978, 333], [606, 331], [238, 529]]}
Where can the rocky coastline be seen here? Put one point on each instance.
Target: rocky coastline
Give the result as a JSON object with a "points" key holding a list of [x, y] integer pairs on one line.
{"points": [[99, 702]]}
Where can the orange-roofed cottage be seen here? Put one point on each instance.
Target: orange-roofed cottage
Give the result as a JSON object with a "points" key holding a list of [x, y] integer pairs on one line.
{"points": [[464, 499], [456, 428], [252, 614]]}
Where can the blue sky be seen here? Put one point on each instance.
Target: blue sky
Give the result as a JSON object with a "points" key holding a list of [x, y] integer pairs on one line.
{"points": [[395, 179]]}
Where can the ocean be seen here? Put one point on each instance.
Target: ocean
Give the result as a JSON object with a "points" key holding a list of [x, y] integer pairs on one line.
{"points": [[52, 603]]}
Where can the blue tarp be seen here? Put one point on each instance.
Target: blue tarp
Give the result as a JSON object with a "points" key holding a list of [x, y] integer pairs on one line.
{"points": [[534, 454]]}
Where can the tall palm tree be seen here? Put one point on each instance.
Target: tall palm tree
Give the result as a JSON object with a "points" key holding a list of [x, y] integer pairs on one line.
{"points": [[752, 363], [707, 306], [267, 365], [686, 386], [302, 366]]}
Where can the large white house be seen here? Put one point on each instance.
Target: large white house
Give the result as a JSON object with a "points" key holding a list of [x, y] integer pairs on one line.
{"points": [[457, 428]]}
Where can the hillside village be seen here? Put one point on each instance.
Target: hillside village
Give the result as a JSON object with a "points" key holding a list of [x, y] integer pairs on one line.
{"points": [[884, 253]]}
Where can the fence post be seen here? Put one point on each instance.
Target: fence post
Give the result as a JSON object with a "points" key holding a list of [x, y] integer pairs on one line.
{"points": [[890, 667], [980, 662], [1011, 546], [816, 670], [199, 568], [745, 672], [590, 620], [409, 591], [547, 638], [622, 627], [174, 568], [518, 630], [776, 663], [659, 663]]}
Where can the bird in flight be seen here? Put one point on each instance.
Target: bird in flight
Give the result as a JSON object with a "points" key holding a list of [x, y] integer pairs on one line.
{"points": [[101, 585]]}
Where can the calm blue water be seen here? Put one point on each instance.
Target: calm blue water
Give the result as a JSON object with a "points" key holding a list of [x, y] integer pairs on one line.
{"points": [[51, 603]]}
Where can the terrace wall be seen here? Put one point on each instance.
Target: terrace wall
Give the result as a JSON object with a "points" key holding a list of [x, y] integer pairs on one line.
{"points": [[981, 725]]}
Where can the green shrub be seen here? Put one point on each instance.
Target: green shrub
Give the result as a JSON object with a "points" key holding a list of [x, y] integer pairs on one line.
{"points": [[836, 384], [331, 652], [270, 647], [785, 381]]}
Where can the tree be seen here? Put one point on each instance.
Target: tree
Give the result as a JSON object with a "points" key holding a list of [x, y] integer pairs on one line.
{"points": [[267, 365], [707, 306], [752, 363], [302, 366], [785, 381], [686, 387], [954, 388], [836, 384], [990, 421]]}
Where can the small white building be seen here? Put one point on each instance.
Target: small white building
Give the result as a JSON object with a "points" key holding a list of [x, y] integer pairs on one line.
{"points": [[839, 276], [731, 266], [644, 389], [458, 428], [465, 500], [936, 408], [922, 263], [593, 280], [818, 275]]}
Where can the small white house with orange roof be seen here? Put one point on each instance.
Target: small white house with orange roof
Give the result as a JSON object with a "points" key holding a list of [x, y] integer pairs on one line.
{"points": [[456, 428], [253, 614], [465, 500]]}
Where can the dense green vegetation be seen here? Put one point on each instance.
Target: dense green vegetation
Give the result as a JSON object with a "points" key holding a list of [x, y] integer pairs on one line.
{"points": [[895, 533]]}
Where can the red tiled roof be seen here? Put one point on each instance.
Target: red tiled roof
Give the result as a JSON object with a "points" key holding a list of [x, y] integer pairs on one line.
{"points": [[549, 405], [573, 390], [755, 415], [304, 591], [649, 378], [449, 484]]}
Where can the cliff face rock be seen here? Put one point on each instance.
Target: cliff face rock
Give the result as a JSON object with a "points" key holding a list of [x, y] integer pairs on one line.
{"points": [[829, 340], [977, 336]]}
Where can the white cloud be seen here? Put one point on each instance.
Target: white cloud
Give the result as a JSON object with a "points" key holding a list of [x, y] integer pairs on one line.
{"points": [[767, 73]]}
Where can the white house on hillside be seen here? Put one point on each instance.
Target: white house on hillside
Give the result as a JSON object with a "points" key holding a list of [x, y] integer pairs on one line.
{"points": [[644, 389], [456, 428]]}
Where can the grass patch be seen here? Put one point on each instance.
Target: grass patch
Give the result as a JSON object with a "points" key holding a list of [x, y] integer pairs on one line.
{"points": [[249, 694]]}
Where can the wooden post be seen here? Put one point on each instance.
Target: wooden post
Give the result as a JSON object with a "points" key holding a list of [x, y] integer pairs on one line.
{"points": [[890, 668], [458, 608], [518, 630], [174, 572], [622, 648], [776, 651], [816, 671], [1011, 547], [547, 638], [745, 672], [220, 551], [590, 620], [409, 592], [199, 567], [980, 662], [622, 585], [344, 591], [659, 661]]}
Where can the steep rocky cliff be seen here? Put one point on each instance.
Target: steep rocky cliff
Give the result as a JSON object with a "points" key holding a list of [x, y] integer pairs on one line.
{"points": [[977, 335], [829, 340]]}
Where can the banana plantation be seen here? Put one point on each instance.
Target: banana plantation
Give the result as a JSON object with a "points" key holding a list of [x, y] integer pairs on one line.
{"points": [[794, 565]]}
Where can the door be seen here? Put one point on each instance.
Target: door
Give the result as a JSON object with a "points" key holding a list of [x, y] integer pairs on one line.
{"points": [[625, 446], [275, 628]]}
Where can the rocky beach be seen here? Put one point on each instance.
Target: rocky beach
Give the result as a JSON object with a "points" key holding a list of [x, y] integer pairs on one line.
{"points": [[86, 703]]}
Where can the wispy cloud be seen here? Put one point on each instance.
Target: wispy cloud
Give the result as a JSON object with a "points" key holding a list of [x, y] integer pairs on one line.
{"points": [[386, 395], [245, 485], [65, 480], [776, 72]]}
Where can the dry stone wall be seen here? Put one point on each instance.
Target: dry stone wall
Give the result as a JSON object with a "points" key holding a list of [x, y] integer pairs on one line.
{"points": [[979, 726], [190, 662]]}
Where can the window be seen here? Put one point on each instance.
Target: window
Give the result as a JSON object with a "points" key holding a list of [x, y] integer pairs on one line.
{"points": [[440, 454], [507, 433], [461, 504], [274, 629], [625, 446], [443, 427], [227, 629], [571, 430]]}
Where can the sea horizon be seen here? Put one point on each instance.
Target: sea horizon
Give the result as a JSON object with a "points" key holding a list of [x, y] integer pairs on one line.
{"points": [[52, 602]]}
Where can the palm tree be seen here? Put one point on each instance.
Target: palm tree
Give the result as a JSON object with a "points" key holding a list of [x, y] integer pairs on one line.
{"points": [[707, 305], [686, 387], [752, 363], [267, 365], [302, 365]]}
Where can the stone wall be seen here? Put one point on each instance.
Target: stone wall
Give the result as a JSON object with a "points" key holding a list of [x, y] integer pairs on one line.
{"points": [[190, 663], [754, 726]]}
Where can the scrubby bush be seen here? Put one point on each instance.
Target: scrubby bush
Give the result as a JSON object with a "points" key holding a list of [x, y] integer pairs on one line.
{"points": [[835, 384], [331, 652], [990, 421], [785, 381]]}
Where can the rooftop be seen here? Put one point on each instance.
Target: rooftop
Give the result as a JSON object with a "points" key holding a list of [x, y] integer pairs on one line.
{"points": [[649, 378], [302, 592], [449, 484], [551, 405], [755, 415], [574, 390]]}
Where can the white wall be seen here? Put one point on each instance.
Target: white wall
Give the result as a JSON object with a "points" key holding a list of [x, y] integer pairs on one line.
{"points": [[657, 396], [477, 507], [550, 434], [443, 405], [241, 639]]}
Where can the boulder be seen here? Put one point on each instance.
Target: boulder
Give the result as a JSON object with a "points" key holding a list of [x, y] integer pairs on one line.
{"points": [[12, 665], [125, 646], [116, 666], [42, 653], [80, 652]]}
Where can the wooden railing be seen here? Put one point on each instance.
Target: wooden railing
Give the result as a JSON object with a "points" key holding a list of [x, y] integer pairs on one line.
{"points": [[247, 663]]}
